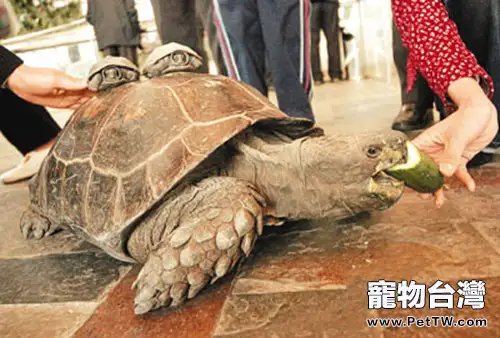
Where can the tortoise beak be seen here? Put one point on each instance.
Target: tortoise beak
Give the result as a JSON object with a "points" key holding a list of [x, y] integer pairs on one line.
{"points": [[391, 156], [385, 187]]}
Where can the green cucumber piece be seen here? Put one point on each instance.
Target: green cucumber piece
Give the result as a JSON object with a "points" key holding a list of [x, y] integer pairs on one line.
{"points": [[420, 172]]}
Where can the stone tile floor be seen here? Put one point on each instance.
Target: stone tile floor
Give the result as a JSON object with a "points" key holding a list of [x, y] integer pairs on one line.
{"points": [[306, 279]]}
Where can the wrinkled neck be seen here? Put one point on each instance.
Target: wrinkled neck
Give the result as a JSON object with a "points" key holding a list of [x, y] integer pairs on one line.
{"points": [[297, 177]]}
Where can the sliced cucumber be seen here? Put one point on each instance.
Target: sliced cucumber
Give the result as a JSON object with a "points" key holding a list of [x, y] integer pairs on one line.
{"points": [[420, 172]]}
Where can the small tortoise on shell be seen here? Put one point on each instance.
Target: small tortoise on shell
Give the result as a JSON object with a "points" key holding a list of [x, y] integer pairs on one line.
{"points": [[182, 171]]}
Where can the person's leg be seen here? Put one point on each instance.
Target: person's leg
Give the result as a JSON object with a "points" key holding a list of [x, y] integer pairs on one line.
{"points": [[331, 28], [110, 51], [204, 9], [129, 52], [30, 129], [285, 26], [416, 105], [174, 23], [177, 22], [215, 47], [478, 23], [25, 125], [493, 63], [200, 34], [316, 18], [241, 41]]}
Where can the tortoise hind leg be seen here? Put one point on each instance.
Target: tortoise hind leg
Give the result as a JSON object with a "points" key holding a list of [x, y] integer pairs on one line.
{"points": [[36, 226], [223, 222]]}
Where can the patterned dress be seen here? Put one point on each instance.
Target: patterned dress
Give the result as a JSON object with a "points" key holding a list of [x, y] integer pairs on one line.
{"points": [[435, 47]]}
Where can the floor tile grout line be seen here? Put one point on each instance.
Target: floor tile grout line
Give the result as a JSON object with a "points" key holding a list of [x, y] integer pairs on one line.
{"points": [[48, 255], [101, 299], [49, 304], [485, 239], [233, 281]]}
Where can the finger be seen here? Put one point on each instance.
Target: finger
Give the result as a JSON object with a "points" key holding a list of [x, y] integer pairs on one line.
{"points": [[69, 83], [425, 196], [452, 155], [80, 103], [84, 99], [420, 141], [88, 93], [430, 137], [60, 102], [59, 92], [464, 176], [446, 168], [439, 198]]}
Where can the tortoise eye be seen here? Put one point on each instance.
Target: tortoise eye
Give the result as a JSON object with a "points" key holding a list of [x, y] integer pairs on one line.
{"points": [[179, 58], [373, 151], [112, 73]]}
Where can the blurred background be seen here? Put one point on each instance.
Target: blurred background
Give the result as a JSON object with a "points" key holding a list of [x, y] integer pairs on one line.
{"points": [[54, 33]]}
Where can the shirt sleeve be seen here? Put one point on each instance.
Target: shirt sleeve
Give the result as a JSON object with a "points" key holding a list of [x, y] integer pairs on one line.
{"points": [[8, 63], [435, 48]]}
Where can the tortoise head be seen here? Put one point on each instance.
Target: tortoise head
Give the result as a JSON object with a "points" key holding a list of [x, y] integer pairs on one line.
{"points": [[169, 58], [381, 151], [110, 72], [347, 172]]}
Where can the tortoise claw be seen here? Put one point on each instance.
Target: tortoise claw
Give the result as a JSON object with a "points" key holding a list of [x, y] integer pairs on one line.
{"points": [[35, 226]]}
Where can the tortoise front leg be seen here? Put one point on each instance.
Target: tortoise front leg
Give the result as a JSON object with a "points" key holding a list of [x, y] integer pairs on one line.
{"points": [[221, 226], [36, 226], [112, 72]]}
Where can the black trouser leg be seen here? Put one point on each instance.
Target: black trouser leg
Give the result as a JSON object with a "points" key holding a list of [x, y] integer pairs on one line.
{"points": [[177, 22], [286, 37], [25, 125], [110, 51], [421, 94], [128, 52], [330, 26], [254, 32], [240, 36], [478, 23], [316, 24], [204, 11]]}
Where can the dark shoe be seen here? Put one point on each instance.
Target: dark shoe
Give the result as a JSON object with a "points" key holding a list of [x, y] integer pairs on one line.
{"points": [[319, 82], [346, 36], [492, 148], [480, 159], [336, 77], [409, 119]]}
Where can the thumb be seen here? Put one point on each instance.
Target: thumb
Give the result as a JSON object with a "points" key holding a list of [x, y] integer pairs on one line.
{"points": [[70, 83], [452, 154]]}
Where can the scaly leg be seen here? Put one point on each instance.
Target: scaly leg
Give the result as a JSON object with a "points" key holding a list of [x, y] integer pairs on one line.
{"points": [[36, 226], [221, 225]]}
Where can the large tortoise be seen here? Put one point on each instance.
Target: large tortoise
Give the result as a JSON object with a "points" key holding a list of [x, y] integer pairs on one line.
{"points": [[181, 171]]}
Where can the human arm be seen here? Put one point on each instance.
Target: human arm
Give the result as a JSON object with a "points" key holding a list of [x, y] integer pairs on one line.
{"points": [[42, 86], [9, 62], [438, 53], [435, 48]]}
